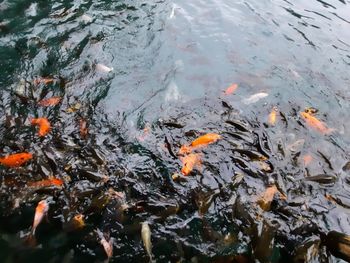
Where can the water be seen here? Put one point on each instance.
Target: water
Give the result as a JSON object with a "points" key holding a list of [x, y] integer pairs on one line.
{"points": [[148, 77]]}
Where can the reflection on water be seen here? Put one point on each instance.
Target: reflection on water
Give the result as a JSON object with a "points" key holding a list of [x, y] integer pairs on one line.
{"points": [[138, 79]]}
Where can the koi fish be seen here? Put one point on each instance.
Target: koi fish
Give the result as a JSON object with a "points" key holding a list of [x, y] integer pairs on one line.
{"points": [[146, 238], [83, 128], [145, 132], [231, 89], [273, 116], [107, 245], [53, 101], [201, 141], [47, 182], [79, 221], [255, 98], [307, 159], [266, 198], [315, 123], [190, 162], [40, 211], [103, 68], [86, 18], [75, 223], [45, 81], [16, 160], [44, 126]]}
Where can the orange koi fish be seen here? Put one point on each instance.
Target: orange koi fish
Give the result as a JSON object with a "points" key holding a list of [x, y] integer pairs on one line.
{"points": [[40, 211], [200, 142], [45, 81], [267, 197], [53, 101], [79, 221], [75, 223], [307, 159], [15, 160], [44, 126], [231, 89], [315, 123], [47, 182], [273, 116], [190, 162]]}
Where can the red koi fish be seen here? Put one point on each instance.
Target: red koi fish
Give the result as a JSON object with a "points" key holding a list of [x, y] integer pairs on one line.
{"points": [[47, 182], [16, 160], [53, 101]]}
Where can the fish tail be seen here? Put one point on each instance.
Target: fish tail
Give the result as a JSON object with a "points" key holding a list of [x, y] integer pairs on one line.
{"points": [[32, 231], [151, 260], [30, 239]]}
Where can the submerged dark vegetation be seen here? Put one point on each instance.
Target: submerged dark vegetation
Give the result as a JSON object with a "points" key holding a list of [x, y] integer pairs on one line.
{"points": [[272, 186]]}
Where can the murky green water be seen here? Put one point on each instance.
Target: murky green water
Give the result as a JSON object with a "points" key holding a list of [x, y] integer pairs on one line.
{"points": [[149, 76]]}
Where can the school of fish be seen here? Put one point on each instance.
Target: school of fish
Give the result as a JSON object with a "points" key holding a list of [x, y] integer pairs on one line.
{"points": [[190, 155]]}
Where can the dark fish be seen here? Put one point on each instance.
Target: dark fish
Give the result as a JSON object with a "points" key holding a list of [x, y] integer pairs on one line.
{"points": [[173, 125], [338, 244], [238, 125], [253, 156], [262, 240], [346, 167], [93, 176], [322, 178], [241, 136], [308, 250]]}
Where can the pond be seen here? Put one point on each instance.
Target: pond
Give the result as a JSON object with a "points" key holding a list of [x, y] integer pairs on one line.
{"points": [[175, 131]]}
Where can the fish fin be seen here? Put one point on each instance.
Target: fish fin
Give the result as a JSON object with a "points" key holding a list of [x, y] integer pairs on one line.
{"points": [[30, 240]]}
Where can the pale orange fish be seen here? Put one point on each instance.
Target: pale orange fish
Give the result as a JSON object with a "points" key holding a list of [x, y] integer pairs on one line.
{"points": [[190, 162], [45, 81], [273, 116], [53, 101], [307, 159], [107, 245], [231, 89], [145, 133], [44, 126], [83, 129], [40, 211], [46, 183], [315, 123], [16, 160], [267, 197], [200, 142]]}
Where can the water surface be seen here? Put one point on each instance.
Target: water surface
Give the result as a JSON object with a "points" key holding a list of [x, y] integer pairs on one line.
{"points": [[150, 76]]}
